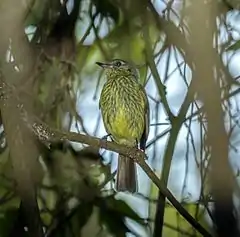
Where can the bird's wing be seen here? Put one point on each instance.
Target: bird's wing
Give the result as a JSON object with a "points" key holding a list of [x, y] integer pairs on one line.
{"points": [[99, 103], [144, 137]]}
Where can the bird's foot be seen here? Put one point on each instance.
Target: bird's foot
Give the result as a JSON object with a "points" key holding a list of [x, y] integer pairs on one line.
{"points": [[143, 151], [138, 148], [106, 136]]}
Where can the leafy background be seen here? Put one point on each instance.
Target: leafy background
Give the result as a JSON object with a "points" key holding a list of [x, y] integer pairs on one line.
{"points": [[49, 50]]}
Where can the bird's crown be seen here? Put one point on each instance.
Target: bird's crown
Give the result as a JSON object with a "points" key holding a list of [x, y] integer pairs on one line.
{"points": [[119, 67]]}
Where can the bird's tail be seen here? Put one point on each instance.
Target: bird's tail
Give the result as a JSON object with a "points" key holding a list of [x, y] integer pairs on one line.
{"points": [[126, 175]]}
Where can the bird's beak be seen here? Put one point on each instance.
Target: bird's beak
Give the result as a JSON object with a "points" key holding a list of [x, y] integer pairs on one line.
{"points": [[103, 65]]}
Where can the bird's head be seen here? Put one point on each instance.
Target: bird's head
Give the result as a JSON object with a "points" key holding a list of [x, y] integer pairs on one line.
{"points": [[119, 67]]}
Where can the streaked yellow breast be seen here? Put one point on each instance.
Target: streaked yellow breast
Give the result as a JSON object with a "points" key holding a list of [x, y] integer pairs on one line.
{"points": [[120, 124], [124, 128], [123, 109]]}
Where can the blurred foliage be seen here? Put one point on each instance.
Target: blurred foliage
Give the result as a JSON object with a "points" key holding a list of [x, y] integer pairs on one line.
{"points": [[175, 225], [66, 37]]}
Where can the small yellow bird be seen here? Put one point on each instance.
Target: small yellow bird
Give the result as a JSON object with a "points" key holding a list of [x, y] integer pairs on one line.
{"points": [[125, 111]]}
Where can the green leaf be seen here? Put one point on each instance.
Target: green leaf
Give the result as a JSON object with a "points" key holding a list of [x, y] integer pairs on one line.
{"points": [[112, 213], [107, 8], [233, 47], [74, 221], [7, 219], [124, 209], [113, 220], [36, 13], [82, 216], [175, 224]]}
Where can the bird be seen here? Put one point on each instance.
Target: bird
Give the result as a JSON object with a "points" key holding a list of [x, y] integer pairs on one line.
{"points": [[125, 112]]}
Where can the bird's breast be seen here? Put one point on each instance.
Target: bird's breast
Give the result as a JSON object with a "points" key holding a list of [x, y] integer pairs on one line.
{"points": [[123, 114], [122, 122]]}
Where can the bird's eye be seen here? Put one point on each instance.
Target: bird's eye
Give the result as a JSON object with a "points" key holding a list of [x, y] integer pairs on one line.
{"points": [[118, 64]]}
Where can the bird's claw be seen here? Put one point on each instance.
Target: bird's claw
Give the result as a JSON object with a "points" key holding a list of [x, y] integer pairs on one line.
{"points": [[106, 137]]}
